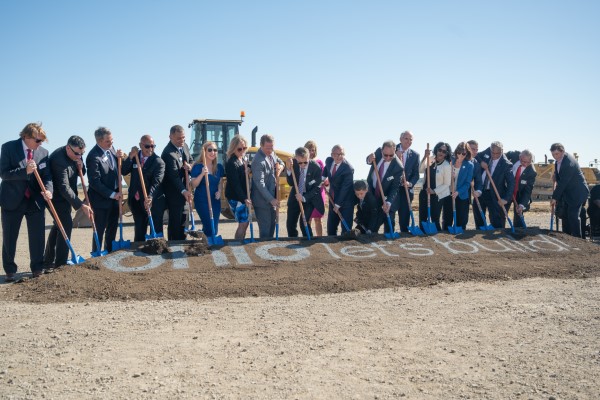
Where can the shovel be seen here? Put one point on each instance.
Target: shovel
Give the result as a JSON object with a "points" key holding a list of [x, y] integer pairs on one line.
{"points": [[552, 218], [277, 207], [300, 203], [454, 229], [339, 214], [153, 234], [428, 226], [485, 226], [98, 252], [487, 171], [75, 259], [391, 234], [413, 229], [120, 244], [251, 240], [521, 216], [214, 239], [192, 231]]}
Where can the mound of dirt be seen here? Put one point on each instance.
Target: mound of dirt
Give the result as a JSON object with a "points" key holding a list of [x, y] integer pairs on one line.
{"points": [[155, 246], [326, 265]]}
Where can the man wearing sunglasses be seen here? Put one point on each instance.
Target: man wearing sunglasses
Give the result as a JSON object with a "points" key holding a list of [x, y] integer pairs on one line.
{"points": [[389, 170], [21, 196], [65, 163], [153, 171], [308, 178]]}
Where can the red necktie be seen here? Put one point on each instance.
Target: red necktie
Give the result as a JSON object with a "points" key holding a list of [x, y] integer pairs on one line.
{"points": [[517, 177], [334, 170], [29, 158]]}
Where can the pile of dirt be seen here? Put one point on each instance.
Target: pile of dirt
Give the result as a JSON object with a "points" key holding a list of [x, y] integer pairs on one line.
{"points": [[326, 265], [155, 246]]}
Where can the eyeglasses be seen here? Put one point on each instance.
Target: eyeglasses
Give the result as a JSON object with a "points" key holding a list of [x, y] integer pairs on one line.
{"points": [[38, 140], [389, 155], [461, 153], [76, 153], [242, 148], [337, 154], [149, 146], [442, 151], [211, 150], [302, 162]]}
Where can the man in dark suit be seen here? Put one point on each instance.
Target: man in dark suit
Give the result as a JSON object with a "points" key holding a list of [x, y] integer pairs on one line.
{"points": [[524, 174], [64, 164], [366, 210], [308, 178], [177, 158], [340, 178], [389, 169], [571, 188], [21, 196], [153, 171], [266, 167], [410, 162], [501, 170], [102, 168]]}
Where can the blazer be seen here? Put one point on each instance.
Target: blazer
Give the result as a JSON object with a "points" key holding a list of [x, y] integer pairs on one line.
{"points": [[392, 179], [235, 188], [411, 167], [341, 185], [525, 184], [64, 178], [366, 214], [570, 182], [443, 178], [463, 180], [173, 182], [477, 173], [312, 186], [153, 172], [15, 180], [502, 177], [263, 179], [102, 177]]}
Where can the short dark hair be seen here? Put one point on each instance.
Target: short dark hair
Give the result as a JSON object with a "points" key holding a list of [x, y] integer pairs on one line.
{"points": [[302, 152], [557, 147], [266, 139], [473, 142], [448, 153], [462, 146], [101, 132], [360, 185], [76, 141], [176, 129]]}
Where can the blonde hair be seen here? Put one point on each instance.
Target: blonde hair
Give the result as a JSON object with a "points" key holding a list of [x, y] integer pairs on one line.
{"points": [[234, 144], [200, 159], [311, 144]]}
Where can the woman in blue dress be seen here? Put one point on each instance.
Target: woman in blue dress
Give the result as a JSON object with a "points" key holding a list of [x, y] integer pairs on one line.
{"points": [[215, 173]]}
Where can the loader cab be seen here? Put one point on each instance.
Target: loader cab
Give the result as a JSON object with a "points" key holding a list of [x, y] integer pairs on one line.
{"points": [[219, 131]]}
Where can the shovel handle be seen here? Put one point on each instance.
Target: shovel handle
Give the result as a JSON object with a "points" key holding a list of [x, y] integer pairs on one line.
{"points": [[487, 171], [246, 173], [51, 206], [120, 186], [296, 187], [141, 175], [383, 198], [85, 194], [207, 185]]}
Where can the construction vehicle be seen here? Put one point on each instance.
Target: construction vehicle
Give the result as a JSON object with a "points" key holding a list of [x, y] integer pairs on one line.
{"points": [[221, 131]]}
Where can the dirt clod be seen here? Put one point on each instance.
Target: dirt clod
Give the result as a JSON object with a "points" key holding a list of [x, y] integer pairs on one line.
{"points": [[155, 246]]}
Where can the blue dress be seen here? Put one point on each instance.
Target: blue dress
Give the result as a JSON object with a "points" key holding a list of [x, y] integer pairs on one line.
{"points": [[201, 201]]}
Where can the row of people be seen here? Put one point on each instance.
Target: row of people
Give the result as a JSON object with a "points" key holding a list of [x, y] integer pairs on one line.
{"points": [[462, 175]]}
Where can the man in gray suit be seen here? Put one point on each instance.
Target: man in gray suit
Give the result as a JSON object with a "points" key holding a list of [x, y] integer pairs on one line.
{"points": [[64, 163], [571, 188], [266, 167], [21, 196]]}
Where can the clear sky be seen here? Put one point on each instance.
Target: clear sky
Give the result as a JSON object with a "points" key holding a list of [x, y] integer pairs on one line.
{"points": [[354, 73]]}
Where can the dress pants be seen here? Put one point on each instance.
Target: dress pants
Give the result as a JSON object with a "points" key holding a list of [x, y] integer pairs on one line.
{"points": [[107, 222], [489, 202], [265, 217], [572, 220], [177, 217], [462, 212], [403, 206], [57, 251], [436, 209], [141, 220], [11, 225], [294, 214], [333, 221]]}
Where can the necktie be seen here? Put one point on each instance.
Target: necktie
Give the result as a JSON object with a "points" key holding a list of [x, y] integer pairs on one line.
{"points": [[517, 177], [302, 183], [29, 158], [334, 170], [110, 160]]}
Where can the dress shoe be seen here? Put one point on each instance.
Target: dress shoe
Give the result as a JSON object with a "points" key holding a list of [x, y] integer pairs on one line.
{"points": [[10, 278], [36, 274]]}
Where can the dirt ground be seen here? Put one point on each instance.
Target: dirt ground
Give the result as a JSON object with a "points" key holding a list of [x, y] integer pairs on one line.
{"points": [[480, 315]]}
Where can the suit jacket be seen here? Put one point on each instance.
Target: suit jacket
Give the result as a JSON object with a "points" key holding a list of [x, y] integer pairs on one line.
{"points": [[463, 181], [570, 182], [502, 177], [366, 214], [477, 173], [102, 177], [173, 182], [411, 167], [263, 179], [153, 172], [392, 179], [525, 184], [64, 178], [15, 180], [312, 186], [235, 188], [341, 185]]}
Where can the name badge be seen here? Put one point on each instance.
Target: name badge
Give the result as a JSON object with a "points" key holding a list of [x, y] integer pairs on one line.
{"points": [[523, 182], [390, 178], [180, 159], [42, 165], [486, 155], [104, 159], [134, 165], [312, 182]]}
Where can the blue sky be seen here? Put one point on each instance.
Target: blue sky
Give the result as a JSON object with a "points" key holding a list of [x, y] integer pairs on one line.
{"points": [[353, 73]]}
